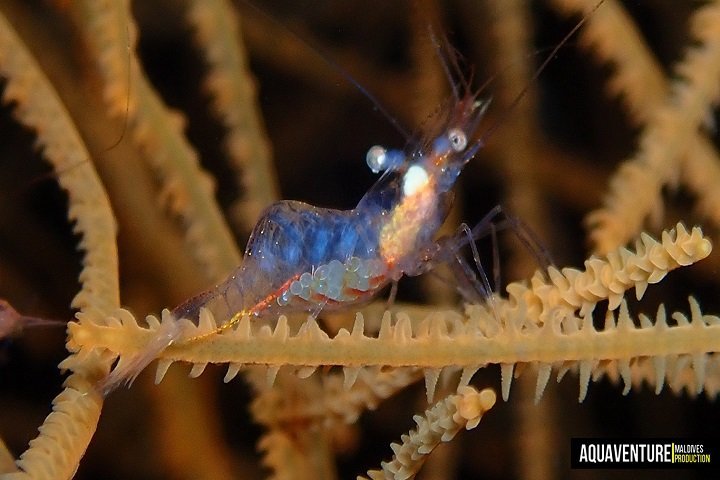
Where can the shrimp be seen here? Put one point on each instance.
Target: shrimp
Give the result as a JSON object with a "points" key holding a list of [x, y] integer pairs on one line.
{"points": [[303, 258]]}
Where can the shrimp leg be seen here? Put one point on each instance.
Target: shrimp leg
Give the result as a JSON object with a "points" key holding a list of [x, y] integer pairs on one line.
{"points": [[475, 285], [522, 231], [490, 225]]}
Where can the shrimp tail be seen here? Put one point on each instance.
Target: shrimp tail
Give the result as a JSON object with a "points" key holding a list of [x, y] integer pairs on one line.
{"points": [[190, 309], [128, 368]]}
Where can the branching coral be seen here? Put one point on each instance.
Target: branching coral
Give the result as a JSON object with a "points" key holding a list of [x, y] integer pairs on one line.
{"points": [[313, 380], [69, 428], [671, 112], [440, 423]]}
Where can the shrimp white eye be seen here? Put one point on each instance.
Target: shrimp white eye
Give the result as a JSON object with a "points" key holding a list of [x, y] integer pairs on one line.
{"points": [[458, 140], [376, 158], [380, 159]]}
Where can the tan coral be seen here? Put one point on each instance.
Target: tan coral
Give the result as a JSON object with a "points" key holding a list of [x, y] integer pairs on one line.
{"points": [[158, 132], [636, 188], [235, 102], [66, 432], [439, 424]]}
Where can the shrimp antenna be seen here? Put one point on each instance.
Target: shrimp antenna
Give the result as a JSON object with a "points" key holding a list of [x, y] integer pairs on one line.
{"points": [[504, 116], [443, 51], [338, 69]]}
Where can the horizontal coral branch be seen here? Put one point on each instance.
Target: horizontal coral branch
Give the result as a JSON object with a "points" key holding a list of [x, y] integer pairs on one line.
{"points": [[538, 324], [693, 372]]}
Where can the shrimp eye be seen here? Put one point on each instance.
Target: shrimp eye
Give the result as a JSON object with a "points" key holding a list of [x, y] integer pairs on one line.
{"points": [[379, 159], [458, 140], [376, 158]]}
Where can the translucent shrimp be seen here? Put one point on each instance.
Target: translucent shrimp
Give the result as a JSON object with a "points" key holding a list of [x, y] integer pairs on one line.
{"points": [[302, 258]]}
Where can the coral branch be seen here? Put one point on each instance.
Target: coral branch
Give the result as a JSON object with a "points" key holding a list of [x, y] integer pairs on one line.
{"points": [[235, 103], [635, 190], [37, 106], [187, 190], [638, 79], [342, 399], [694, 371], [66, 432], [611, 35], [439, 424]]}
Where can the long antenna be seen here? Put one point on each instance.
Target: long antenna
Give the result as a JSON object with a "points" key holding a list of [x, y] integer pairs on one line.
{"points": [[504, 116], [445, 57], [341, 71]]}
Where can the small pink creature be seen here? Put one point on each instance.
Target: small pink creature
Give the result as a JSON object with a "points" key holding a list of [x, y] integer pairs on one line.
{"points": [[12, 322]]}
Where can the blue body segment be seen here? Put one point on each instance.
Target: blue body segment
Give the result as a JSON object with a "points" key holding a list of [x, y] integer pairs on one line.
{"points": [[290, 239]]}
